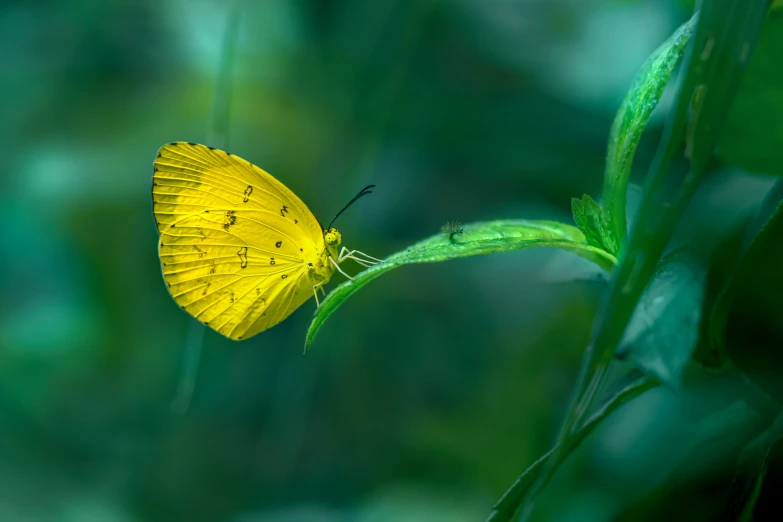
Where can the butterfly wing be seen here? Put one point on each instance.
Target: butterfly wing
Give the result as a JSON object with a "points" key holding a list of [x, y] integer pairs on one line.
{"points": [[237, 260], [191, 178]]}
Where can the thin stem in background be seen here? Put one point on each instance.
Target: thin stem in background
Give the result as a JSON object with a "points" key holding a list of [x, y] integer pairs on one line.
{"points": [[217, 136]]}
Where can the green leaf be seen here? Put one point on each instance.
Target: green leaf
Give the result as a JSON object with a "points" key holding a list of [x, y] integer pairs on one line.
{"points": [[478, 239], [760, 229], [747, 318], [591, 220], [664, 329], [753, 132], [632, 118], [221, 100], [504, 509]]}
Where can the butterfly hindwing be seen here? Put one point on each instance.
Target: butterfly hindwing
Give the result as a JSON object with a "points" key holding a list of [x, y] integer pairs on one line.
{"points": [[239, 272]]}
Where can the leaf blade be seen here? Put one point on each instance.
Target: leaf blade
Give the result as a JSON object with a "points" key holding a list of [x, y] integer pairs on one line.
{"points": [[631, 119], [478, 239], [593, 223], [662, 334]]}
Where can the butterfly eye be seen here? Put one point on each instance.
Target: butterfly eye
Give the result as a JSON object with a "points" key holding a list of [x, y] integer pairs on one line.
{"points": [[332, 237]]}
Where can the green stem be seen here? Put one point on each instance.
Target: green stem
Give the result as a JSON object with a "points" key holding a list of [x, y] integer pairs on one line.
{"points": [[221, 100]]}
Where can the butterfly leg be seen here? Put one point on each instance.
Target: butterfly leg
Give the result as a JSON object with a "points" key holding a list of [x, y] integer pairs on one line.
{"points": [[339, 269], [358, 261], [366, 260], [315, 293]]}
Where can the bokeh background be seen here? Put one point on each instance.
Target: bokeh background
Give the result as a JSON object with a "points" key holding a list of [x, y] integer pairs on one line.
{"points": [[430, 390]]}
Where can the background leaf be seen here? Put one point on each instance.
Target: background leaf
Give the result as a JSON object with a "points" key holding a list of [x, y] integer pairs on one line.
{"points": [[753, 132], [478, 239], [753, 327], [730, 260], [664, 329], [696, 482], [751, 469], [504, 509]]}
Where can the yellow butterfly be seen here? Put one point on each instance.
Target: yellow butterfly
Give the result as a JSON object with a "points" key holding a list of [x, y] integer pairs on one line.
{"points": [[239, 251]]}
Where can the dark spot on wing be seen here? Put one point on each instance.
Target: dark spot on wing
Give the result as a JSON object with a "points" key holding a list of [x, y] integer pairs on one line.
{"points": [[242, 253], [231, 219]]}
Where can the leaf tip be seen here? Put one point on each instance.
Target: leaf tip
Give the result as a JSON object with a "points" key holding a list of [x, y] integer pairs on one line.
{"points": [[309, 338]]}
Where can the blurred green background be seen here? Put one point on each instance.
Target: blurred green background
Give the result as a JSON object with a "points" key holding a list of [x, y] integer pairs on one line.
{"points": [[428, 392]]}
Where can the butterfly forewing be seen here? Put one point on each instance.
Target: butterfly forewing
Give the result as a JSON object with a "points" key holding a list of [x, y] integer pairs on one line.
{"points": [[190, 178]]}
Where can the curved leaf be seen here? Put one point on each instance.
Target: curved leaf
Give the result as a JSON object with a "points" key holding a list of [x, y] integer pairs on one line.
{"points": [[478, 239], [632, 118]]}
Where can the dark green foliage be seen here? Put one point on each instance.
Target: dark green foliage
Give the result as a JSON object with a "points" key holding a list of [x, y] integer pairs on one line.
{"points": [[653, 315], [754, 128], [440, 383], [753, 327], [509, 503]]}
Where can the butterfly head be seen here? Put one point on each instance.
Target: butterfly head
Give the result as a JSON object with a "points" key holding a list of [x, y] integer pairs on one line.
{"points": [[333, 238]]}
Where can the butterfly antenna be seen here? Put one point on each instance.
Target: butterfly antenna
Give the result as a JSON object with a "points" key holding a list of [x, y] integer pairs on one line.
{"points": [[361, 193]]}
